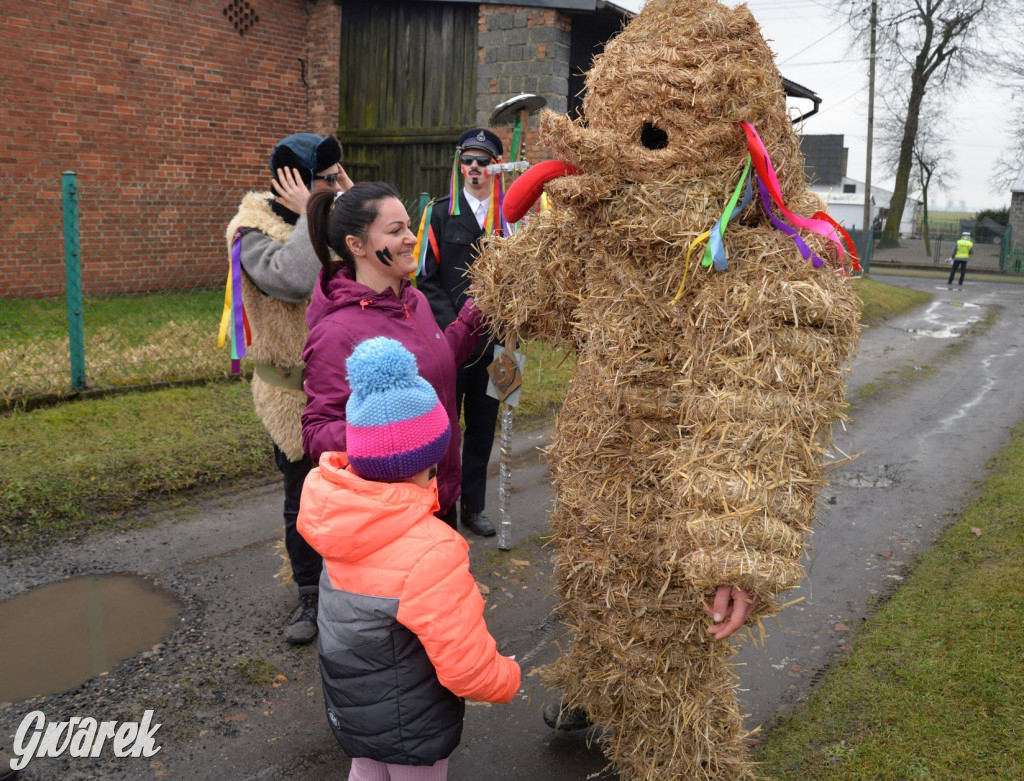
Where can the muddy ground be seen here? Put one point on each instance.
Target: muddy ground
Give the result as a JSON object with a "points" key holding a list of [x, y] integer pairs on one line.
{"points": [[935, 395]]}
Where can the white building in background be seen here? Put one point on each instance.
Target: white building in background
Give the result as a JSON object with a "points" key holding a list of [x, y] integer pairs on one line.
{"points": [[825, 167], [845, 204]]}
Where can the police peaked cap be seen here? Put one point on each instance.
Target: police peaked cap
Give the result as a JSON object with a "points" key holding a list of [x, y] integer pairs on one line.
{"points": [[481, 138]]}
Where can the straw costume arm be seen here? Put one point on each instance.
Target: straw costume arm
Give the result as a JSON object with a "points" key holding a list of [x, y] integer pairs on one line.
{"points": [[528, 285]]}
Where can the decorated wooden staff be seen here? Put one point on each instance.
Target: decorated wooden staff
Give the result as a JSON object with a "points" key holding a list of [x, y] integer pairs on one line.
{"points": [[506, 370], [517, 110]]}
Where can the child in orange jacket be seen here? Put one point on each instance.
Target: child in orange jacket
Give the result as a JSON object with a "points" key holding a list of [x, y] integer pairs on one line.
{"points": [[402, 635]]}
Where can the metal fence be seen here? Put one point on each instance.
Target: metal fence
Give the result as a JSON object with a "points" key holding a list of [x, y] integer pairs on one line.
{"points": [[1011, 258], [863, 241], [54, 346], [70, 342]]}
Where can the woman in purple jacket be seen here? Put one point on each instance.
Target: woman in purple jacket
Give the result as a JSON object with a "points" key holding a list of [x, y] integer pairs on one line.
{"points": [[364, 291]]}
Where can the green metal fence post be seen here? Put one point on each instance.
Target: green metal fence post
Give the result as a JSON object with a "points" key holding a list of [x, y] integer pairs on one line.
{"points": [[73, 280], [424, 200], [1004, 248]]}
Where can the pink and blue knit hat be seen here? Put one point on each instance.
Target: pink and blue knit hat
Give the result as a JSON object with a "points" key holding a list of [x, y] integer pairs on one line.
{"points": [[397, 427]]}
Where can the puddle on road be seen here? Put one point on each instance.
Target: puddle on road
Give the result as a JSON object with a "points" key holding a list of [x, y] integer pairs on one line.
{"points": [[886, 476], [938, 329], [55, 637]]}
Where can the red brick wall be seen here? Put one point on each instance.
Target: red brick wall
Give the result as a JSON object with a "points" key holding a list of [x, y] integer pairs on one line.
{"points": [[166, 113]]}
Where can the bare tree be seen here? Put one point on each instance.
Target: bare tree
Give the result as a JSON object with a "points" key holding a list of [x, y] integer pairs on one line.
{"points": [[930, 46], [932, 164], [1007, 64]]}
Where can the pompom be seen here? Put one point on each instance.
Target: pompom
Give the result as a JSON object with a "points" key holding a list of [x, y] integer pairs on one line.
{"points": [[380, 364]]}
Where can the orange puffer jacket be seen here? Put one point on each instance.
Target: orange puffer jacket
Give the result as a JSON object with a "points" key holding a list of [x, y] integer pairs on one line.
{"points": [[402, 632]]}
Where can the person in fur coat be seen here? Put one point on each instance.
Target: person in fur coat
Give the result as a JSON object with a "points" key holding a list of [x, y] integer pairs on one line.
{"points": [[279, 270]]}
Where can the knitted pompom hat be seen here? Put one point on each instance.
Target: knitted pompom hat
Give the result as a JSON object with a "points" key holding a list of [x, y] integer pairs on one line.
{"points": [[397, 427]]}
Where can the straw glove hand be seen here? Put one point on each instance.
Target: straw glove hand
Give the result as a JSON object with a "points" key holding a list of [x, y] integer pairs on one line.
{"points": [[731, 607], [292, 192]]}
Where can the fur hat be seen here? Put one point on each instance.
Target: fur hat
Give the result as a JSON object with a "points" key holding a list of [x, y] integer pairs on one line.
{"points": [[307, 153], [481, 138], [396, 426]]}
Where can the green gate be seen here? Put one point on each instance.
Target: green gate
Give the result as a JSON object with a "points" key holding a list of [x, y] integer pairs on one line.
{"points": [[407, 92]]}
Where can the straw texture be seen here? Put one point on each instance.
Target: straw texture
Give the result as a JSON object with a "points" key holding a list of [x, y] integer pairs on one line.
{"points": [[693, 443]]}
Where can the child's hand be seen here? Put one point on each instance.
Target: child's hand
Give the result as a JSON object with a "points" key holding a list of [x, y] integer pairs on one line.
{"points": [[731, 607]]}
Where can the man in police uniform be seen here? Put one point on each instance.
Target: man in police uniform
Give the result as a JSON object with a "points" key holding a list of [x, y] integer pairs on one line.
{"points": [[452, 246], [961, 252]]}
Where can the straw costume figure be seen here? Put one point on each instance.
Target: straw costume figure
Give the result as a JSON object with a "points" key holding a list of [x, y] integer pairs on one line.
{"points": [[693, 442]]}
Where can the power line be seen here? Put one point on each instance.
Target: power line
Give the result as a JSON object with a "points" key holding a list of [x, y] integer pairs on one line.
{"points": [[823, 62], [808, 46], [841, 102]]}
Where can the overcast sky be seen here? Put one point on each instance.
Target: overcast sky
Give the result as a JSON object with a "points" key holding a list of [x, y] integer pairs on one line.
{"points": [[811, 47]]}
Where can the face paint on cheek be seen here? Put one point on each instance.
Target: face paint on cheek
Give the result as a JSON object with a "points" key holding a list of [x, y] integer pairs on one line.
{"points": [[482, 175]]}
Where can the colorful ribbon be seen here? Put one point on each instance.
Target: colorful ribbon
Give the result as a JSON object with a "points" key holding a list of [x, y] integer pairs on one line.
{"points": [[854, 258], [453, 186], [495, 220], [770, 184], [233, 319], [686, 264], [769, 190], [787, 229], [423, 238], [715, 250]]}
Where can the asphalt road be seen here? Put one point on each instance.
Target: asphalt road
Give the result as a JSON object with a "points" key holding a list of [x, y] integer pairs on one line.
{"points": [[933, 401]]}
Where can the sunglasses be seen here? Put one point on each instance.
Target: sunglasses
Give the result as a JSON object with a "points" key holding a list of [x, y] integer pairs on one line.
{"points": [[483, 162], [331, 179]]}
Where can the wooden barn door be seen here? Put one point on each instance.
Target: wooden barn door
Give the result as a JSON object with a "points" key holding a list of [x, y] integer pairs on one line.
{"points": [[408, 91]]}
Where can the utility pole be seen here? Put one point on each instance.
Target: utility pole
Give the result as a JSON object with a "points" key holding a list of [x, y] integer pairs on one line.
{"points": [[871, 125]]}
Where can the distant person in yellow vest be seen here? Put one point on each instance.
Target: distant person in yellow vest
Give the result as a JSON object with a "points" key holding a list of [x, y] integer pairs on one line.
{"points": [[961, 252]]}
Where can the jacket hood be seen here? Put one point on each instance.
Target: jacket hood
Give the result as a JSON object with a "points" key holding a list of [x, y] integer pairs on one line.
{"points": [[342, 290], [346, 518]]}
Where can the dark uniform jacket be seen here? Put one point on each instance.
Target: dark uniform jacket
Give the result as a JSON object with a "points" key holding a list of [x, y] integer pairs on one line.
{"points": [[444, 279]]}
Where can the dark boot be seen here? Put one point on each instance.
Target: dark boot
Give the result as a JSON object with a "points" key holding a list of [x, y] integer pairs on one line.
{"points": [[558, 717], [479, 524], [301, 627]]}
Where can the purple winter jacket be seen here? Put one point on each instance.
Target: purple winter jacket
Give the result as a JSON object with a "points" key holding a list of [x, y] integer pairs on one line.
{"points": [[344, 313]]}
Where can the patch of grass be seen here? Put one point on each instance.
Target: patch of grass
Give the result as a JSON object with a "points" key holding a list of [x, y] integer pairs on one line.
{"points": [[891, 382], [91, 463], [881, 301], [545, 381], [132, 340], [77, 467], [257, 671], [934, 687]]}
